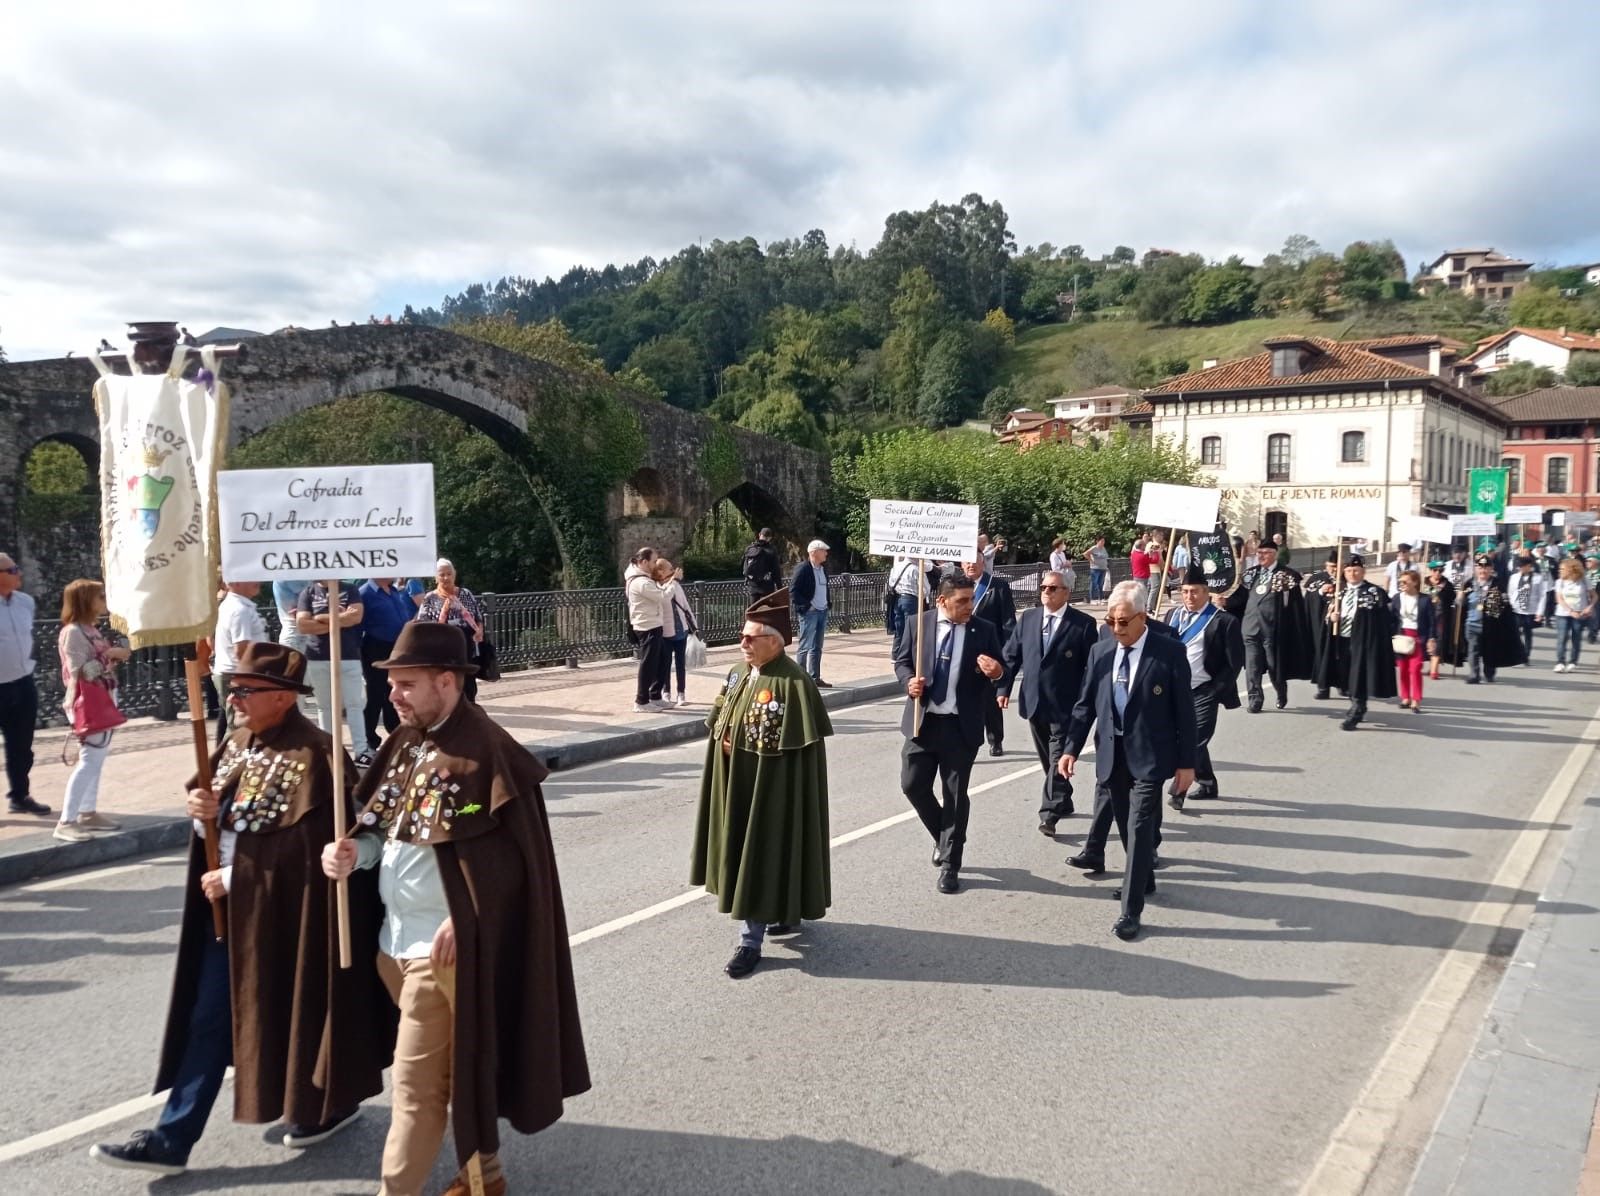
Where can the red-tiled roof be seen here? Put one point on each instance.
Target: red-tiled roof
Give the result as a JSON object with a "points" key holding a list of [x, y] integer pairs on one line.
{"points": [[1402, 339], [1095, 392], [1332, 362], [1143, 407], [1576, 341], [1553, 404]]}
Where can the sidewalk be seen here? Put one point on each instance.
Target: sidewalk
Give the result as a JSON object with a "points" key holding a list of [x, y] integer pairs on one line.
{"points": [[567, 717], [1523, 1115]]}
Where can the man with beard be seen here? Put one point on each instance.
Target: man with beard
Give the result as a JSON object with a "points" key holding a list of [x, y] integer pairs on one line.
{"points": [[992, 601], [269, 997], [474, 947], [1488, 636], [1318, 587], [1277, 641], [1215, 646], [1361, 662]]}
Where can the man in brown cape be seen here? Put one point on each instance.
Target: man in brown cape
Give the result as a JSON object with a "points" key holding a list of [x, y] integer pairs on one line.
{"points": [[474, 946], [308, 1040]]}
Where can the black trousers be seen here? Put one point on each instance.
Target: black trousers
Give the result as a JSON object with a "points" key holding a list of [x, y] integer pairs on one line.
{"points": [[648, 686], [1050, 741], [1260, 657], [1205, 726], [1136, 805], [378, 705], [1341, 670], [994, 723], [943, 753], [19, 710], [1525, 625], [1105, 817]]}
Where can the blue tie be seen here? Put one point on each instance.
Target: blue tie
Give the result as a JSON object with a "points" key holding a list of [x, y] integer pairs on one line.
{"points": [[1049, 628], [941, 668], [1119, 695]]}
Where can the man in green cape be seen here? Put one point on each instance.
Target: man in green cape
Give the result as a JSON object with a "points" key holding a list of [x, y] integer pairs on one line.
{"points": [[761, 833]]}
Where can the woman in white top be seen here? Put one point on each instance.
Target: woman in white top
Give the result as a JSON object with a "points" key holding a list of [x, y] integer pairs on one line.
{"points": [[87, 659], [677, 624], [1574, 605], [1418, 620]]}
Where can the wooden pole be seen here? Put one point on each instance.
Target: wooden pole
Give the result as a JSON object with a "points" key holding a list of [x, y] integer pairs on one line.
{"points": [[336, 721], [1166, 563], [194, 670], [1338, 593], [922, 603]]}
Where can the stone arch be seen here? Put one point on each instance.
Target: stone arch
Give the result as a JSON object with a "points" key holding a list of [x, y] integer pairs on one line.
{"points": [[58, 535], [644, 494]]}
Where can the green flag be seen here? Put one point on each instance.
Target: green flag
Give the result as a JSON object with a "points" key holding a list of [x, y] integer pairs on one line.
{"points": [[1486, 492]]}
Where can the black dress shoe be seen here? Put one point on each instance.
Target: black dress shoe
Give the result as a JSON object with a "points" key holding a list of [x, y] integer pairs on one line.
{"points": [[1047, 826], [1322, 695], [1283, 703], [1156, 861], [948, 881], [938, 859], [824, 685], [1149, 889], [1472, 680], [26, 805], [1349, 724], [783, 928], [744, 962], [1254, 706], [1175, 800], [996, 750], [1089, 863], [1126, 928], [298, 1137]]}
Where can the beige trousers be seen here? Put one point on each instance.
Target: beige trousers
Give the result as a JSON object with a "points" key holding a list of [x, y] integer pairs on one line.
{"points": [[421, 1074]]}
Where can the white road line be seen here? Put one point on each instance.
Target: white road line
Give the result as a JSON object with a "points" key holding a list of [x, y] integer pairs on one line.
{"points": [[1358, 1143], [45, 1139], [78, 879]]}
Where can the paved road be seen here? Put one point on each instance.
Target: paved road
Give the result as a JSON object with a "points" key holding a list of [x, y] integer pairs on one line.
{"points": [[1000, 1040]]}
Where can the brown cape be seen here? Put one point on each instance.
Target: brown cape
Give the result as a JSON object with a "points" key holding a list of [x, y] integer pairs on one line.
{"points": [[471, 792], [310, 1039]]}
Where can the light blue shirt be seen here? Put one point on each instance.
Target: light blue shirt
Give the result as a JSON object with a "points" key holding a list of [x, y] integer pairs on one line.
{"points": [[819, 596], [286, 594], [16, 637]]}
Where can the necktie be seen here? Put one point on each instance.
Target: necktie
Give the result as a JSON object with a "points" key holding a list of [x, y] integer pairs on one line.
{"points": [[1119, 695], [1184, 620], [941, 668], [1049, 627], [1347, 611]]}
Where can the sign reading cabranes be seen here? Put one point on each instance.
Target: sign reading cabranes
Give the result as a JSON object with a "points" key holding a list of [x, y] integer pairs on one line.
{"points": [[941, 531], [328, 522]]}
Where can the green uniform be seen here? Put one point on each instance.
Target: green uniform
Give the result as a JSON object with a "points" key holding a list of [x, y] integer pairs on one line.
{"points": [[761, 833]]}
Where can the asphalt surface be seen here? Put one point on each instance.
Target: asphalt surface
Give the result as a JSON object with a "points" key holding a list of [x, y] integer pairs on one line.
{"points": [[1000, 1040]]}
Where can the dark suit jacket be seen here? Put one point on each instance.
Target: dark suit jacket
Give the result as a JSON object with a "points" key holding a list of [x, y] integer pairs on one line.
{"points": [[1224, 655], [1427, 619], [1158, 730], [998, 606], [802, 588], [974, 691], [1052, 676]]}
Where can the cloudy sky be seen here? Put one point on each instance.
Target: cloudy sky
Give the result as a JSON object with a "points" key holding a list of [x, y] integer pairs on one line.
{"points": [[300, 162]]}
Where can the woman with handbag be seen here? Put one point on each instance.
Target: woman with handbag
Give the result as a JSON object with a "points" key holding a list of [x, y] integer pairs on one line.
{"points": [[1417, 639], [678, 625], [456, 605], [89, 673]]}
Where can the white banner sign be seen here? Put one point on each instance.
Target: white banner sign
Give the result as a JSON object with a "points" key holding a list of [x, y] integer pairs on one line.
{"points": [[1418, 529], [1187, 508], [1578, 519], [943, 531], [1472, 525], [324, 523], [1524, 514]]}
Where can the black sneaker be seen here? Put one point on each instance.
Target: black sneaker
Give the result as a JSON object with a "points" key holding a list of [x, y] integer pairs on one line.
{"points": [[365, 759], [298, 1137], [147, 1150], [26, 805]]}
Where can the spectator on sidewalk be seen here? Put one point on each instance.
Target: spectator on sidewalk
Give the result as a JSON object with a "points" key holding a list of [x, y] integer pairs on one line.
{"points": [[808, 593], [761, 567], [909, 582], [1058, 555], [452, 603], [645, 619], [677, 625], [238, 623], [19, 695], [88, 659], [286, 597], [313, 622], [385, 609], [1099, 569]]}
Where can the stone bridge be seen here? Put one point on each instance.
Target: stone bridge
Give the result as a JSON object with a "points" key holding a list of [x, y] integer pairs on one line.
{"points": [[689, 462]]}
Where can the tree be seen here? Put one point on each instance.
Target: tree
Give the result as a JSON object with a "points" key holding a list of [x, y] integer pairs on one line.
{"points": [[919, 317], [1003, 326], [999, 403], [1366, 267], [1520, 377], [1583, 370], [673, 364], [1318, 284], [55, 468], [944, 382], [1154, 368], [1162, 288], [1543, 307], [1219, 294], [784, 416]]}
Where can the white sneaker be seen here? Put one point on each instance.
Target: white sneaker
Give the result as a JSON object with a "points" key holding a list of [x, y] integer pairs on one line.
{"points": [[683, 701], [69, 832], [96, 821], [642, 708]]}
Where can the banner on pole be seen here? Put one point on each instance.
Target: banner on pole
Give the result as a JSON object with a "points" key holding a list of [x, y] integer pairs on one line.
{"points": [[327, 523], [1472, 525], [1186, 508], [1524, 514], [161, 436], [1214, 553], [1487, 490], [1419, 529], [942, 531], [1579, 519]]}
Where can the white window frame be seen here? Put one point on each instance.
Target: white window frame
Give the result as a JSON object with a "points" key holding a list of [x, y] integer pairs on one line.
{"points": [[1361, 432], [1551, 460]]}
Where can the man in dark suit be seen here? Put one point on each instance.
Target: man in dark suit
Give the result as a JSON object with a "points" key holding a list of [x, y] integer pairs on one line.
{"points": [[1136, 699], [992, 601], [1050, 648], [1215, 647], [950, 691]]}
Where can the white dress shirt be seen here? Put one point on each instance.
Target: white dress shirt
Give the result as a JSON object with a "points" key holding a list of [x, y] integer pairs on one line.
{"points": [[957, 642], [16, 637], [1196, 647]]}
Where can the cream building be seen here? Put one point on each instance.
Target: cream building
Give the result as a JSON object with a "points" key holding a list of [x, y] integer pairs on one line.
{"points": [[1317, 438]]}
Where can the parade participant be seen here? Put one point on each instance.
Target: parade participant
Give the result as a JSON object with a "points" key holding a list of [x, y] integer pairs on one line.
{"points": [[1277, 640], [302, 1033], [993, 602], [1418, 619], [1050, 648], [474, 946], [1574, 603], [1214, 644], [1361, 663], [1137, 701], [761, 832], [952, 685], [1459, 570], [1438, 587], [1591, 578], [1488, 638], [1401, 563], [1525, 591], [1318, 588]]}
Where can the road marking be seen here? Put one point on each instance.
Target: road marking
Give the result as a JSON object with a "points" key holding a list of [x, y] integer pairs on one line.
{"points": [[45, 1139], [77, 879], [1358, 1143]]}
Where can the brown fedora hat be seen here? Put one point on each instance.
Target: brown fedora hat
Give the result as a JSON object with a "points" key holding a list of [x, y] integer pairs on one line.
{"points": [[429, 646], [274, 664]]}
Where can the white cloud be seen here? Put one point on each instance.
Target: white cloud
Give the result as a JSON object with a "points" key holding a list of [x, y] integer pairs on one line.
{"points": [[293, 162]]}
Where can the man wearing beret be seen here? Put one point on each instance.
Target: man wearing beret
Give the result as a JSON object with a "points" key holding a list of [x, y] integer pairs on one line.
{"points": [[474, 947], [301, 1032], [761, 832]]}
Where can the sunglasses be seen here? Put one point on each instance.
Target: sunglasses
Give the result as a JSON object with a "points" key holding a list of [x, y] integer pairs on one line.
{"points": [[241, 692], [11, 569], [1110, 622], [1048, 589]]}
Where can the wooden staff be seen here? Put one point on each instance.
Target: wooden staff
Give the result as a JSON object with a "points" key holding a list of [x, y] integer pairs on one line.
{"points": [[1166, 563], [1338, 592], [194, 669], [922, 603], [341, 893]]}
